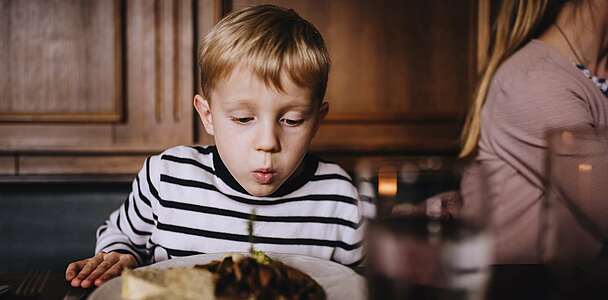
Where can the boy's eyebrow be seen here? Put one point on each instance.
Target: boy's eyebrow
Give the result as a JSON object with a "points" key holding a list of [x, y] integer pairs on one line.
{"points": [[240, 102], [251, 103], [303, 107]]}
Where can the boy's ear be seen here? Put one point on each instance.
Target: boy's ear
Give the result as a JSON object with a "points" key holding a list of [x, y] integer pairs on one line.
{"points": [[204, 111], [323, 110]]}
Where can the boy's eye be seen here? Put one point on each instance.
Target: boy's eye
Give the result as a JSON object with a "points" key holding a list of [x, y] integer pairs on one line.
{"points": [[291, 123], [244, 120]]}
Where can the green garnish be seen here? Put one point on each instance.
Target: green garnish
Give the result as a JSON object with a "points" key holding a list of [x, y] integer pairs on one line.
{"points": [[250, 231], [260, 257]]}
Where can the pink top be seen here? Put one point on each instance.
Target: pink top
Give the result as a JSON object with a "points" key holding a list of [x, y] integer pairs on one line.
{"points": [[536, 90]]}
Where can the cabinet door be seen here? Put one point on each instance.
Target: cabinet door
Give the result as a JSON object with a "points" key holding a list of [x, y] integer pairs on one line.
{"points": [[95, 76], [402, 71]]}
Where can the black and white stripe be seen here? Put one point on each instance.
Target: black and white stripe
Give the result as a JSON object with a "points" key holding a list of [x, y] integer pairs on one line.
{"points": [[181, 205]]}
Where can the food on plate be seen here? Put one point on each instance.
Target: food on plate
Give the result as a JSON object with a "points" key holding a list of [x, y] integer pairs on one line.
{"points": [[260, 257], [234, 277], [259, 277], [181, 283]]}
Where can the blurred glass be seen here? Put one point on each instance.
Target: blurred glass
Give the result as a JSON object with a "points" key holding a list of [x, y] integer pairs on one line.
{"points": [[576, 211], [423, 243]]}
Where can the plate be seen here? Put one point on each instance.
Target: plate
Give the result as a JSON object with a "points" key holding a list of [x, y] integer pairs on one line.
{"points": [[338, 281]]}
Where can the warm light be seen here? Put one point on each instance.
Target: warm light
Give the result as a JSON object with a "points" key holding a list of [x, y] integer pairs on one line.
{"points": [[567, 137], [387, 181], [585, 167]]}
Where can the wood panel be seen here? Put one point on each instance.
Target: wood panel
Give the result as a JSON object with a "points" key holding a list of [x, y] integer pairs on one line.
{"points": [[440, 137], [7, 165], [209, 12], [93, 84], [71, 165], [402, 71], [70, 53], [393, 61], [157, 38], [160, 63]]}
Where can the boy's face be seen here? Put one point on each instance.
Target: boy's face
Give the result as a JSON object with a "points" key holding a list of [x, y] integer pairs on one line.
{"points": [[261, 133]]}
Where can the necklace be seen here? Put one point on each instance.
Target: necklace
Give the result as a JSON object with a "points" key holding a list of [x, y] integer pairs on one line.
{"points": [[578, 58], [599, 82]]}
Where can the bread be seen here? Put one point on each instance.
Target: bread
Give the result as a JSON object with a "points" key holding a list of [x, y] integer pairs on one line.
{"points": [[182, 283]]}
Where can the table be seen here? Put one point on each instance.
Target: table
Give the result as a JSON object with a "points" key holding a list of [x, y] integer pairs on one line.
{"points": [[508, 282], [56, 287], [521, 282]]}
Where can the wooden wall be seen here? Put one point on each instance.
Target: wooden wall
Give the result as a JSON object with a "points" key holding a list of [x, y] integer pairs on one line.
{"points": [[93, 87], [402, 71]]}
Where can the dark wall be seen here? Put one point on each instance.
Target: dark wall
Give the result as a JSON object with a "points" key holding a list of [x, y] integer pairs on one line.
{"points": [[44, 226]]}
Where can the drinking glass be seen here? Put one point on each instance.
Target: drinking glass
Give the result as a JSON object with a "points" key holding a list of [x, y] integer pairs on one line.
{"points": [[424, 242], [575, 231]]}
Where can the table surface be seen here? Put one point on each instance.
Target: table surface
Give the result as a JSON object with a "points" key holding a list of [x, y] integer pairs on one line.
{"points": [[56, 287], [508, 282]]}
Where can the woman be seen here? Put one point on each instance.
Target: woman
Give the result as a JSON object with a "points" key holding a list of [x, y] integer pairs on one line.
{"points": [[537, 79]]}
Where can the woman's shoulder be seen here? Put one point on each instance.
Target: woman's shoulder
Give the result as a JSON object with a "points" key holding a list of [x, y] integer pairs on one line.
{"points": [[538, 75], [537, 81], [540, 65]]}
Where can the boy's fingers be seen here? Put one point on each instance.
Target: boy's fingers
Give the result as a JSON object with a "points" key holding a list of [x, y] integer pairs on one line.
{"points": [[75, 282], [114, 271], [91, 264], [111, 258], [86, 270], [101, 268], [73, 269]]}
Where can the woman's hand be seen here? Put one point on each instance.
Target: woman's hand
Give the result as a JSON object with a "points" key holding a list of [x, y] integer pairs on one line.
{"points": [[98, 269]]}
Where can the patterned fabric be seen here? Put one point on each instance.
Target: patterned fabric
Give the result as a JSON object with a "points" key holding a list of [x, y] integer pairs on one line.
{"points": [[183, 204], [599, 82]]}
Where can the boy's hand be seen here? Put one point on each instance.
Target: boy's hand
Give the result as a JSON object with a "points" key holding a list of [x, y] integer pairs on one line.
{"points": [[98, 269]]}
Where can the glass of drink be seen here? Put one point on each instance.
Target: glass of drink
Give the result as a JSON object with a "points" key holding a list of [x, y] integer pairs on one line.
{"points": [[425, 242], [575, 231]]}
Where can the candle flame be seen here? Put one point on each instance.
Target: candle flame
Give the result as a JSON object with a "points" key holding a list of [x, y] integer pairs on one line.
{"points": [[387, 182]]}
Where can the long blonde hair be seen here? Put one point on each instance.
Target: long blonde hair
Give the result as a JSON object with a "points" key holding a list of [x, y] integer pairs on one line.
{"points": [[518, 21]]}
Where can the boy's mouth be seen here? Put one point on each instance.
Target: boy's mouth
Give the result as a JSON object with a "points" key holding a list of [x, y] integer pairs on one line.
{"points": [[264, 176]]}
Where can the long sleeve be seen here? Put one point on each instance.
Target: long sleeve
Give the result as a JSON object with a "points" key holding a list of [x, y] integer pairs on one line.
{"points": [[351, 251], [519, 115], [129, 228]]}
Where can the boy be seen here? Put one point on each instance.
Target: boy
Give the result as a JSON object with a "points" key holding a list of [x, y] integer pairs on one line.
{"points": [[264, 73]]}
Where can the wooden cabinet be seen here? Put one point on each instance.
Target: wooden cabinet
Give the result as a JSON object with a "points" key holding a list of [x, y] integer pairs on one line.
{"points": [[94, 86], [94, 79], [66, 66]]}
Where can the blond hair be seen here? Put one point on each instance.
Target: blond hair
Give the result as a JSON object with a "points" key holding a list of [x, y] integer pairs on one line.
{"points": [[270, 40], [517, 23]]}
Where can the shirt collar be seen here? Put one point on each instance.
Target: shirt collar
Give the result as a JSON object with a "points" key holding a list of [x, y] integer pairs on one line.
{"points": [[299, 178]]}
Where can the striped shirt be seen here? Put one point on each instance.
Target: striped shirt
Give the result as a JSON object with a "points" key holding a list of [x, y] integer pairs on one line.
{"points": [[185, 202]]}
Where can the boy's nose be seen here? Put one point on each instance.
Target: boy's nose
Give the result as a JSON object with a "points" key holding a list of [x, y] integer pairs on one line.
{"points": [[268, 138]]}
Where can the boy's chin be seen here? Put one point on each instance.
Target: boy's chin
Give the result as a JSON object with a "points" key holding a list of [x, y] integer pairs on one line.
{"points": [[260, 190]]}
